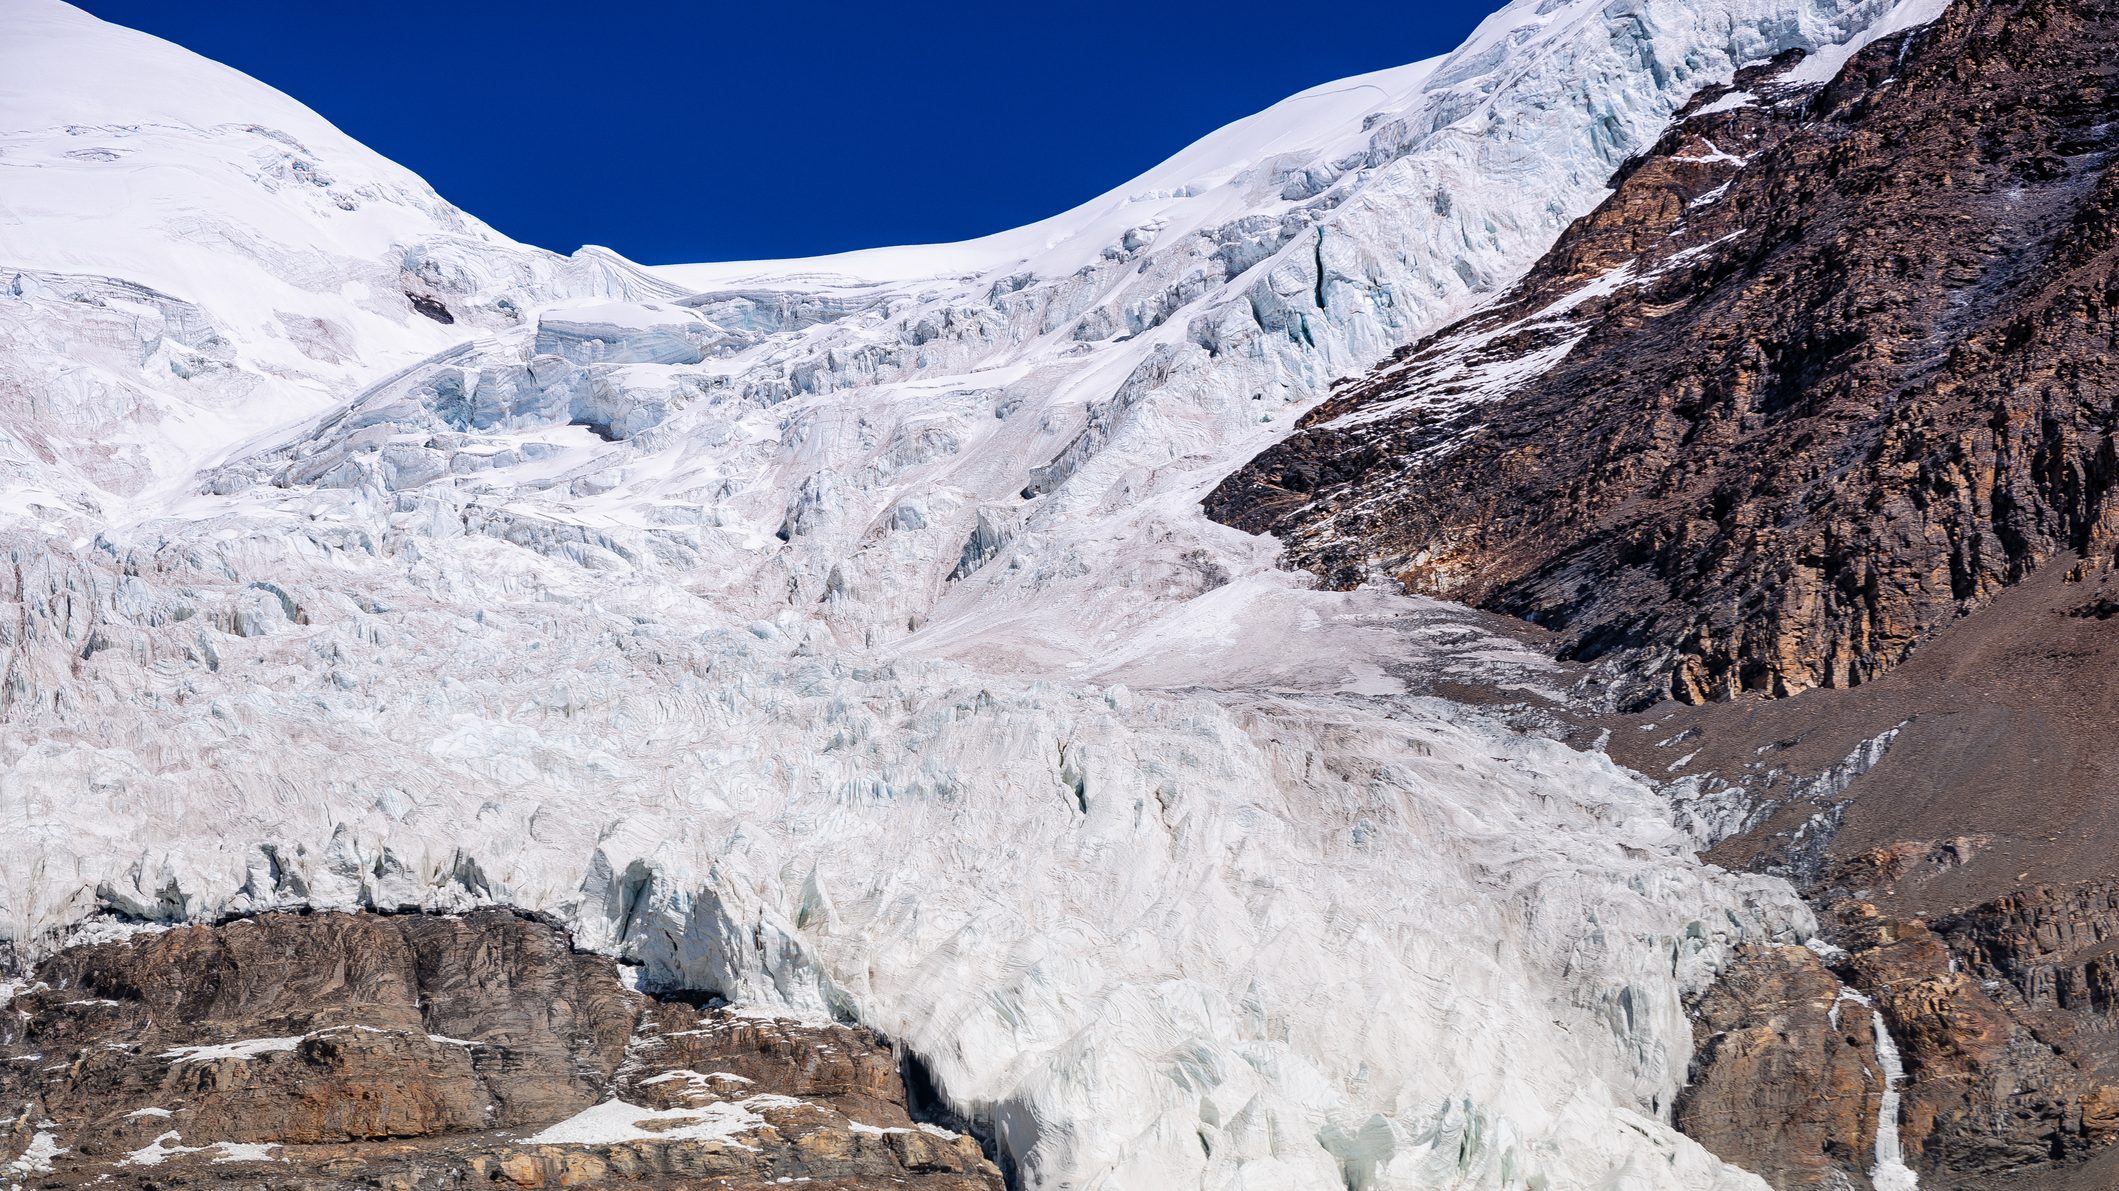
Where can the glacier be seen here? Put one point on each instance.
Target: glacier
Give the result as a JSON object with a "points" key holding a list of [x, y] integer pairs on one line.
{"points": [[843, 635]]}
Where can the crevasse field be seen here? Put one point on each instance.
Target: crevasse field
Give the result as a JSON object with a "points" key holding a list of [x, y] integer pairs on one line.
{"points": [[843, 635]]}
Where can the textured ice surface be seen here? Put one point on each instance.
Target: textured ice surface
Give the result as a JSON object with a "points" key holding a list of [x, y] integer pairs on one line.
{"points": [[844, 635]]}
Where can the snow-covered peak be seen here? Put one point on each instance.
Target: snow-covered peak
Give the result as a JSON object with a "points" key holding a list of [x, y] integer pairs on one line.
{"points": [[1198, 186], [166, 161], [61, 67], [189, 258]]}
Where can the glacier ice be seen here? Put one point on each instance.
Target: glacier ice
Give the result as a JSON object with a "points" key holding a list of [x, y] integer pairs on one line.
{"points": [[843, 635]]}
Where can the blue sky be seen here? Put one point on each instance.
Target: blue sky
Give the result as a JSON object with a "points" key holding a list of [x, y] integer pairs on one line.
{"points": [[681, 131]]}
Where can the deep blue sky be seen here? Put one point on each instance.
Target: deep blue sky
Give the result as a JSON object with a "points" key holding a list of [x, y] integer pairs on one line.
{"points": [[682, 131]]}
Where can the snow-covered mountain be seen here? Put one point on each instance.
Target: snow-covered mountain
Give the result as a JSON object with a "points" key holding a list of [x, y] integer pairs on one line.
{"points": [[194, 258], [844, 636]]}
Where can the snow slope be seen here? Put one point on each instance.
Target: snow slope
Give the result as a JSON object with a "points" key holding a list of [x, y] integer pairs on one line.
{"points": [[844, 635], [188, 258]]}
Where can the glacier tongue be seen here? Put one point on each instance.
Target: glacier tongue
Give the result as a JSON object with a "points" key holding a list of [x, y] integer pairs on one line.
{"points": [[844, 635]]}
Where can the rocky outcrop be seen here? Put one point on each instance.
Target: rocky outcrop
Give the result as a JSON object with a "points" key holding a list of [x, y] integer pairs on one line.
{"points": [[416, 1051], [1785, 1082], [2003, 1017], [2007, 1025], [1952, 821], [1833, 366]]}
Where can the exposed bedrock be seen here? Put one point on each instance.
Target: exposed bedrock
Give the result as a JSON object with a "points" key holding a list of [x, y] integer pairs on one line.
{"points": [[416, 1051], [1785, 1082], [2003, 1016], [1832, 367], [1952, 821]]}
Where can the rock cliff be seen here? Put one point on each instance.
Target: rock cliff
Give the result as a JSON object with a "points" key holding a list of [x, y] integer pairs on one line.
{"points": [[1831, 367], [1828, 379], [421, 1051]]}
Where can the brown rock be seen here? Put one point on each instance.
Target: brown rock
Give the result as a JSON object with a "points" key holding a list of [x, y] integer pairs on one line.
{"points": [[1863, 378], [418, 1052], [2009, 1082], [1851, 379], [1785, 1081], [685, 1057]]}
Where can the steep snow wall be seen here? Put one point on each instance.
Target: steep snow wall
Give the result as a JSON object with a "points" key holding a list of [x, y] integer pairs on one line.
{"points": [[844, 635]]}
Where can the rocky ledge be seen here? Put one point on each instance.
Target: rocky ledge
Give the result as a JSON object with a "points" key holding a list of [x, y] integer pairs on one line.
{"points": [[413, 1051], [2005, 1017]]}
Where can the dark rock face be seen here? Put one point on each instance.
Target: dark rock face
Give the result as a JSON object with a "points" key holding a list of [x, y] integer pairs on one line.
{"points": [[1827, 371], [2008, 1020], [415, 1051], [1786, 1082], [1967, 868], [431, 307], [2003, 1015], [1985, 760]]}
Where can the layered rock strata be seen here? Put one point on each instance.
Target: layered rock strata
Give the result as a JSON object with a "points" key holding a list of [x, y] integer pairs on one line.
{"points": [[1829, 376], [420, 1051]]}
